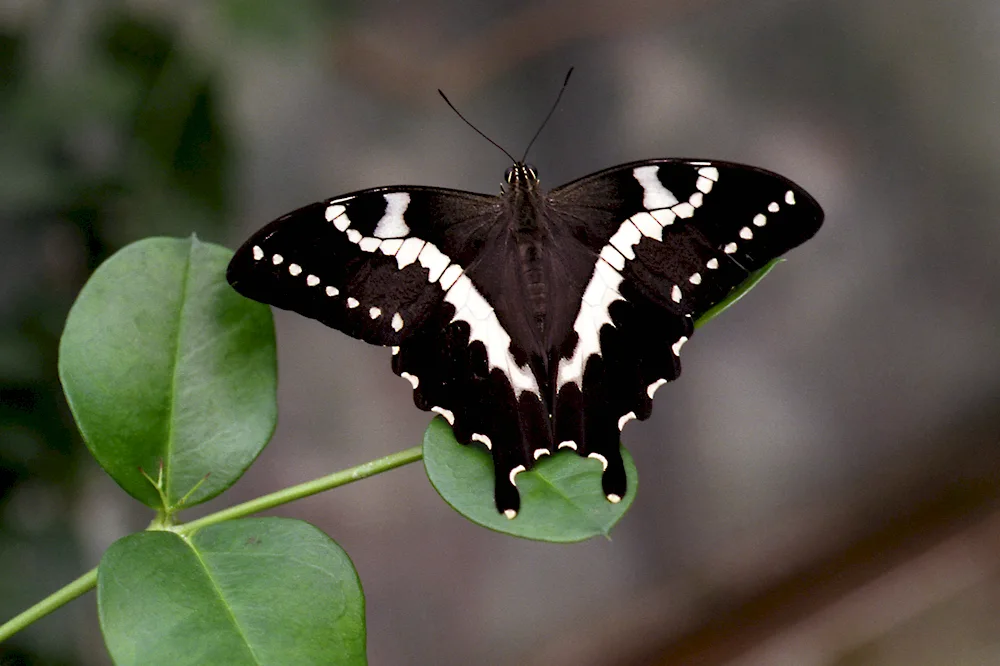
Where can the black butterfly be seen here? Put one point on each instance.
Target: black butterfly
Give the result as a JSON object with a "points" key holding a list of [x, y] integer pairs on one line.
{"points": [[535, 320]]}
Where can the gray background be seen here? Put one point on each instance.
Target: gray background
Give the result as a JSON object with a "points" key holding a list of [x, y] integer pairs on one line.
{"points": [[855, 385]]}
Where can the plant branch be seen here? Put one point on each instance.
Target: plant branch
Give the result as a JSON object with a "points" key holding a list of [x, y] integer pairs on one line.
{"points": [[50, 603], [88, 581], [306, 489]]}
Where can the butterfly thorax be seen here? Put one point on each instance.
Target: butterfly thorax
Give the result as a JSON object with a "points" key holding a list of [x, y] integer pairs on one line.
{"points": [[530, 231]]}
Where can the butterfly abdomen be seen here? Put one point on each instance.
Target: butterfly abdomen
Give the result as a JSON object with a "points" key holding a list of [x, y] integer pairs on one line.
{"points": [[531, 253]]}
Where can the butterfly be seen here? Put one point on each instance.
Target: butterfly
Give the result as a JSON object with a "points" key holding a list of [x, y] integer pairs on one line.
{"points": [[536, 320]]}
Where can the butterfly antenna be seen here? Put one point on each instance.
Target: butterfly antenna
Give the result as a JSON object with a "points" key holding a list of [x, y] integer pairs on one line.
{"points": [[551, 111], [448, 102]]}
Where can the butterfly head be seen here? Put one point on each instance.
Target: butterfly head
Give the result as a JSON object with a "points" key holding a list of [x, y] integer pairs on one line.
{"points": [[521, 176]]}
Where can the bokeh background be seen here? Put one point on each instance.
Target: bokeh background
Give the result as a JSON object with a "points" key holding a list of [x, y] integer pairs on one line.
{"points": [[821, 487]]}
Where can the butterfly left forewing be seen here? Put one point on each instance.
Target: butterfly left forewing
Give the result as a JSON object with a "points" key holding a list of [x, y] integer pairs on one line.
{"points": [[369, 263]]}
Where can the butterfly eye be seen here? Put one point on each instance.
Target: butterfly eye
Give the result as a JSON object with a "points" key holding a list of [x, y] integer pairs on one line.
{"points": [[531, 171]]}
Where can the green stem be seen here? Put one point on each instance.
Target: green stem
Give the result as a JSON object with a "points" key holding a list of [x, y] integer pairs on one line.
{"points": [[59, 598], [304, 489], [88, 580]]}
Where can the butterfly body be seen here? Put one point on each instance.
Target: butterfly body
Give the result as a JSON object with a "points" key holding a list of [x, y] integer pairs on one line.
{"points": [[537, 320]]}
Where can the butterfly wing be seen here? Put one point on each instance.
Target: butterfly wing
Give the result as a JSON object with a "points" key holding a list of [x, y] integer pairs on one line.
{"points": [[367, 263], [635, 254], [669, 240], [418, 269]]}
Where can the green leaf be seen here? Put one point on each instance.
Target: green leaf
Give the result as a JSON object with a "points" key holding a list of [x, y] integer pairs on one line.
{"points": [[561, 497], [254, 591], [163, 363], [737, 293]]}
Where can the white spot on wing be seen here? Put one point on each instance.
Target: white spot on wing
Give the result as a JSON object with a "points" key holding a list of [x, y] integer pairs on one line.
{"points": [[651, 389], [697, 199], [606, 273], [413, 379], [312, 280], [294, 269], [394, 349], [598, 456], [773, 206], [332, 291], [476, 437], [471, 307], [695, 278], [513, 474], [730, 248], [713, 263], [613, 257], [277, 259], [392, 225], [626, 236], [648, 226], [600, 293], [676, 347], [397, 322], [434, 261], [354, 235], [391, 246], [745, 233], [258, 253], [683, 210], [510, 513], [352, 302], [675, 294], [369, 244], [459, 292], [759, 220], [568, 444], [623, 420], [449, 276], [664, 216], [538, 453], [614, 499], [408, 252], [709, 172], [375, 313], [448, 415], [333, 211], [790, 198], [704, 184], [655, 195]]}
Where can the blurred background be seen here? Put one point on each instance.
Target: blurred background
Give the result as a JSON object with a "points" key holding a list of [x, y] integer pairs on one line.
{"points": [[821, 487]]}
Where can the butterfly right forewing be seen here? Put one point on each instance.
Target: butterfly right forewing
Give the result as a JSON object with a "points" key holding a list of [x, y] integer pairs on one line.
{"points": [[670, 239]]}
